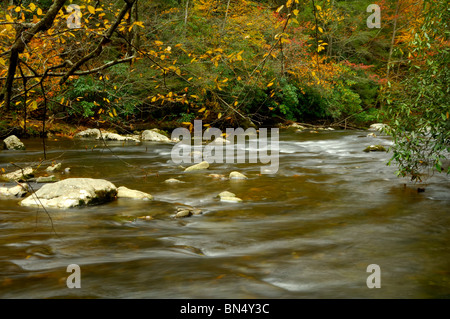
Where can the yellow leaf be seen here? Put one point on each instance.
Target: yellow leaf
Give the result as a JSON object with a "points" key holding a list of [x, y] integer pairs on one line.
{"points": [[186, 123], [289, 3], [33, 106], [219, 115], [91, 9], [239, 78], [9, 19], [114, 112], [235, 103], [39, 11], [202, 110], [110, 114], [279, 9], [32, 6], [320, 30], [319, 8], [295, 12], [159, 42], [270, 84], [17, 9]]}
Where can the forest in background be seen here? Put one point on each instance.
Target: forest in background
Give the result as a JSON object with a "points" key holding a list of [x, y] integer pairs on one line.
{"points": [[128, 64]]}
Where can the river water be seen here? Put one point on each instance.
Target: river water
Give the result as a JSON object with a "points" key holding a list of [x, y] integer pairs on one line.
{"points": [[308, 231]]}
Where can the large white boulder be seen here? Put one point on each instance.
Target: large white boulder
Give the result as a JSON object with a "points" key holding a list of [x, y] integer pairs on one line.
{"points": [[72, 192]]}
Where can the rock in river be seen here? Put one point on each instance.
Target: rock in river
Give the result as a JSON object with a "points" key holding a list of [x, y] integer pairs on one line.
{"points": [[72, 192], [89, 133], [54, 168], [123, 192], [17, 191], [116, 137], [197, 167], [152, 135], [377, 127], [46, 179], [227, 196], [375, 148], [19, 174], [237, 175], [13, 143], [187, 211], [173, 181]]}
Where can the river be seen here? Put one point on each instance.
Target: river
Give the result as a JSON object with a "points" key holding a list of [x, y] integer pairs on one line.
{"points": [[308, 231]]}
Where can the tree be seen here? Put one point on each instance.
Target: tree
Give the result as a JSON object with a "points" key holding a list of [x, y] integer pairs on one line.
{"points": [[43, 47], [418, 106]]}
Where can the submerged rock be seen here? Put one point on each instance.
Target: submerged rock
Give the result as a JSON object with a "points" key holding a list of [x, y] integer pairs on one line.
{"points": [[72, 192], [152, 135], [16, 191], [13, 143], [20, 174], [217, 176], [237, 175], [196, 167], [375, 148], [173, 181], [124, 192]]}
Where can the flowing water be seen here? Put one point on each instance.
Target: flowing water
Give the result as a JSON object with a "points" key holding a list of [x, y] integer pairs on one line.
{"points": [[309, 231]]}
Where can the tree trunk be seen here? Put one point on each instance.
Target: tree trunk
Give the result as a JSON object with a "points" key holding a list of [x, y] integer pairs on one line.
{"points": [[393, 39], [24, 36]]}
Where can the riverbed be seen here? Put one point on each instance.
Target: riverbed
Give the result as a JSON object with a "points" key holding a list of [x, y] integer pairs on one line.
{"points": [[308, 231]]}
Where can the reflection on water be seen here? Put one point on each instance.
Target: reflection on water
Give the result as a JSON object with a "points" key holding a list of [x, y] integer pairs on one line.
{"points": [[309, 231]]}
